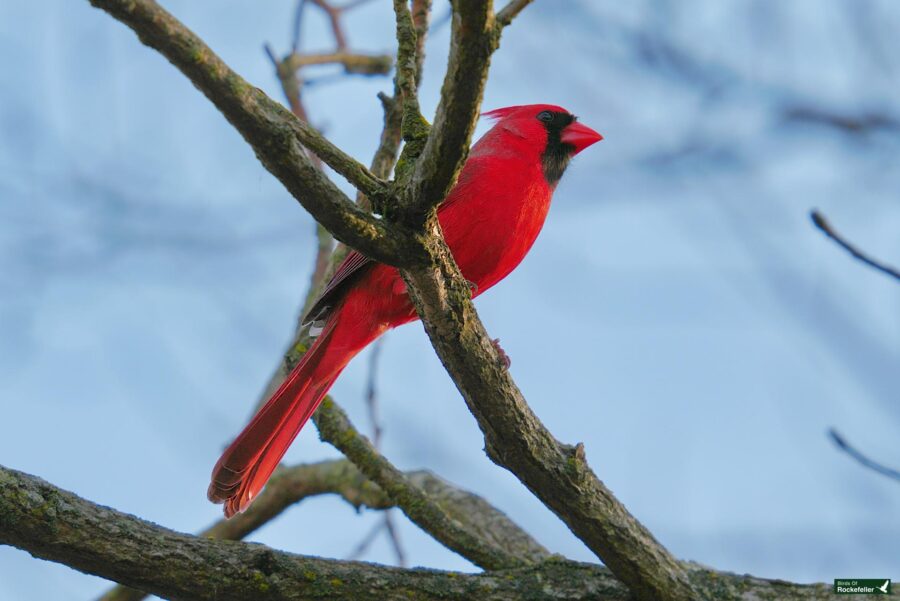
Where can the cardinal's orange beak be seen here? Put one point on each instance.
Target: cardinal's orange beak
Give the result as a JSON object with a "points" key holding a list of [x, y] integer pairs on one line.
{"points": [[580, 136]]}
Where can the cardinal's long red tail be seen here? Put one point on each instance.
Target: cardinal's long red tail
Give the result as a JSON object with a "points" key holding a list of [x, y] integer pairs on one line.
{"points": [[247, 463]]}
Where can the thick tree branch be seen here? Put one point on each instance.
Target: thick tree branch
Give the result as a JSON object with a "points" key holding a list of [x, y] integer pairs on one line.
{"points": [[824, 226], [291, 485], [59, 526], [276, 135], [515, 438], [56, 525]]}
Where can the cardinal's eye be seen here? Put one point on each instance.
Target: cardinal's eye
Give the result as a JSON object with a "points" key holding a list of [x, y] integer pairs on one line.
{"points": [[545, 116]]}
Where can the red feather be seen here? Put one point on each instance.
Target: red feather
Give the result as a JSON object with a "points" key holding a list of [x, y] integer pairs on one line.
{"points": [[490, 220]]}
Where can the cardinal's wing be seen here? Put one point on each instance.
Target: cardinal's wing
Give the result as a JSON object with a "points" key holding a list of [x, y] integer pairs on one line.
{"points": [[353, 266]]}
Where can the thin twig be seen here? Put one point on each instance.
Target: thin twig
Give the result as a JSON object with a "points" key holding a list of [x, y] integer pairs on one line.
{"points": [[334, 17], [510, 11], [854, 124], [377, 431], [298, 26], [823, 224], [353, 62], [873, 465], [372, 393], [367, 541], [413, 126], [394, 537], [421, 14]]}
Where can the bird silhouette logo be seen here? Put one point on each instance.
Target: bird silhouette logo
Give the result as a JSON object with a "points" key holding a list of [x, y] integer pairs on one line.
{"points": [[884, 587]]}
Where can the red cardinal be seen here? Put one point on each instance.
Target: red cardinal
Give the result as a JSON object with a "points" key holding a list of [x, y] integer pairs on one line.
{"points": [[490, 220]]}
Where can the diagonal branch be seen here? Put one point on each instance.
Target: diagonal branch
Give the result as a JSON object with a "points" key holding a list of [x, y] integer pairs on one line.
{"points": [[56, 525], [824, 225], [335, 428], [334, 18], [276, 135], [511, 11], [516, 439], [862, 459]]}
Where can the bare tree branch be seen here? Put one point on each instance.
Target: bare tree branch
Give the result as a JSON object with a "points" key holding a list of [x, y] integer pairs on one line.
{"points": [[287, 487], [421, 15], [394, 536], [334, 17], [862, 123], [863, 460], [276, 135], [823, 224], [511, 11], [414, 127], [389, 145], [290, 485], [377, 432], [367, 541], [56, 525], [356, 63], [335, 428], [298, 26]]}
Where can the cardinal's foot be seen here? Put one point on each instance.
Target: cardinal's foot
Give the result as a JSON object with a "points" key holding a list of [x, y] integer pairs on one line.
{"points": [[504, 358], [473, 288]]}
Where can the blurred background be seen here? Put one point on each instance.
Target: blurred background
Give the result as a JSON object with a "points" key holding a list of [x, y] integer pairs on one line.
{"points": [[679, 314]]}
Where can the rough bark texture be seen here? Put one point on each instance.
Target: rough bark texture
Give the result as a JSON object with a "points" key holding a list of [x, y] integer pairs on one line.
{"points": [[291, 485], [53, 524]]}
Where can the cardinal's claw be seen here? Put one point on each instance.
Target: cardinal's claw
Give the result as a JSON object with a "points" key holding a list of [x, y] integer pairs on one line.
{"points": [[504, 358]]}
